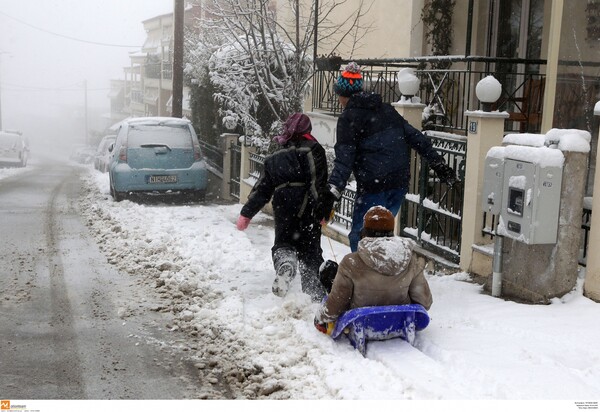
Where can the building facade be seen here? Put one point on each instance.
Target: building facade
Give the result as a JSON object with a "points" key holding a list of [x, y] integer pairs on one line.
{"points": [[147, 86]]}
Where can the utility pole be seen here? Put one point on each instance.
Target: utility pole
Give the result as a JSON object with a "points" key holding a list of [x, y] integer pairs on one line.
{"points": [[178, 59], [160, 111], [0, 91], [86, 111], [1, 53]]}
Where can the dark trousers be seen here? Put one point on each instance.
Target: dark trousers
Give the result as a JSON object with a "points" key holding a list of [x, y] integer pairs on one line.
{"points": [[300, 237], [390, 199]]}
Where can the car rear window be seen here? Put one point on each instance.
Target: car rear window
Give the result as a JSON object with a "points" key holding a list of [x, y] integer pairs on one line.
{"points": [[8, 142], [171, 135]]}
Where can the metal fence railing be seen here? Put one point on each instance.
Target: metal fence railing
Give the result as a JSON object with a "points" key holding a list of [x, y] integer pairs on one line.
{"points": [[212, 155], [449, 92], [235, 170], [257, 163], [432, 213], [343, 212], [586, 221]]}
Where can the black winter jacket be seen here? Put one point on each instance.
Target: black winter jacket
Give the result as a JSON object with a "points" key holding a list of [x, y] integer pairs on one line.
{"points": [[374, 142], [296, 177]]}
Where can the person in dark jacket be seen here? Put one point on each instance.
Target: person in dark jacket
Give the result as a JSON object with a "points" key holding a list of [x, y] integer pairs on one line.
{"points": [[295, 177], [384, 271], [374, 143]]}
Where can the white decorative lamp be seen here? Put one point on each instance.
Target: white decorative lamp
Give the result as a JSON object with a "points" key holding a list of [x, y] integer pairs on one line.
{"points": [[408, 83], [488, 91]]}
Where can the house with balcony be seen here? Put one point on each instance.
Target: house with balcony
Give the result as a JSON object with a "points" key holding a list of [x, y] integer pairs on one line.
{"points": [[545, 53], [147, 86], [117, 100]]}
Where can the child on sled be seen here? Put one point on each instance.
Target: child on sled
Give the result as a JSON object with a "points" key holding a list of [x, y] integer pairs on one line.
{"points": [[383, 271]]}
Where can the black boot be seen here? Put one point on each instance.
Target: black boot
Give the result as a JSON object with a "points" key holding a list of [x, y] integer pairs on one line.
{"points": [[327, 273]]}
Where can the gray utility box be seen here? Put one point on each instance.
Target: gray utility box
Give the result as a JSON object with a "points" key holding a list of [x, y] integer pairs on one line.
{"points": [[524, 192]]}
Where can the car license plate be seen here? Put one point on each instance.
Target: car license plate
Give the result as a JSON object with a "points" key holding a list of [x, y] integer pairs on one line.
{"points": [[163, 179]]}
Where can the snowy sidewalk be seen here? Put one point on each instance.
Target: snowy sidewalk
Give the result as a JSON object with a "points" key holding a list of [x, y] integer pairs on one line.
{"points": [[219, 279]]}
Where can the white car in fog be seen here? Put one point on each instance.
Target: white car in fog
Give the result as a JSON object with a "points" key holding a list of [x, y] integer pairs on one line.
{"points": [[14, 150], [103, 155]]}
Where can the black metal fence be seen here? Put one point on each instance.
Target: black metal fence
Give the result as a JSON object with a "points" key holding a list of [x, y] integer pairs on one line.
{"points": [[432, 211], [586, 221], [448, 93], [343, 212], [257, 162], [212, 155], [235, 169]]}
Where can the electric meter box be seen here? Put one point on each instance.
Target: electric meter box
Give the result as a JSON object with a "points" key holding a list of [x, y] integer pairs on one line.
{"points": [[493, 182], [526, 196]]}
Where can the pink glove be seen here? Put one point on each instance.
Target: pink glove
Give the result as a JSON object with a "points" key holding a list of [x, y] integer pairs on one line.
{"points": [[242, 223]]}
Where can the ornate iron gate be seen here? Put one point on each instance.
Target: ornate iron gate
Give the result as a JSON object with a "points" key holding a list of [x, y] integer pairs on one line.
{"points": [[432, 211]]}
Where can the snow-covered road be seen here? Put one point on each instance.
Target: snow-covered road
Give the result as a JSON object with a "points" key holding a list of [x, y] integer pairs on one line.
{"points": [[71, 326]]}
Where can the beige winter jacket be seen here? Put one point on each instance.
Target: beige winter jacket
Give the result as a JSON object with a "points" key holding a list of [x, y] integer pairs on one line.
{"points": [[383, 271]]}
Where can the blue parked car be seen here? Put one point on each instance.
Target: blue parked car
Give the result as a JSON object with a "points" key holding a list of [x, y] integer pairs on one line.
{"points": [[157, 156]]}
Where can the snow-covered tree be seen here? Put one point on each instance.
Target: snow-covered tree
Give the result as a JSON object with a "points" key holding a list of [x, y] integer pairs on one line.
{"points": [[258, 65], [255, 83]]}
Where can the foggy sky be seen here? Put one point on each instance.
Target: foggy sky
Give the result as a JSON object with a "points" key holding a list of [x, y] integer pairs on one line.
{"points": [[42, 74]]}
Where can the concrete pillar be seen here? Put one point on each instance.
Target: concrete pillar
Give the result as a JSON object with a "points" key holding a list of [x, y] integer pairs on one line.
{"points": [[412, 112], [538, 273], [591, 287], [486, 129], [227, 139]]}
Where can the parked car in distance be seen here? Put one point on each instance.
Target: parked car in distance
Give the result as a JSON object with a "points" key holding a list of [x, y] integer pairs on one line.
{"points": [[14, 149], [157, 156], [103, 155]]}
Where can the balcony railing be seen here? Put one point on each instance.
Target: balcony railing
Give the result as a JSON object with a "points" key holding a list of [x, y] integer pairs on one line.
{"points": [[449, 92], [137, 96], [152, 70]]}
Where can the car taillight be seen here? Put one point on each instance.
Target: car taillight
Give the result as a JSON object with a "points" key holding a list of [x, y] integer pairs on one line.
{"points": [[197, 154], [123, 154]]}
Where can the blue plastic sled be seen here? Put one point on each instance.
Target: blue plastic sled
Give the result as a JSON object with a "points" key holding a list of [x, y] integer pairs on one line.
{"points": [[380, 323]]}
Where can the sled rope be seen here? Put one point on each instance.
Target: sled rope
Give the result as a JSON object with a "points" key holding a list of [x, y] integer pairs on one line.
{"points": [[331, 247]]}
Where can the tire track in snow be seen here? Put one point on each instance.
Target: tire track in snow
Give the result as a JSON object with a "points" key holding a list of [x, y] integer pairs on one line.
{"points": [[69, 376]]}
